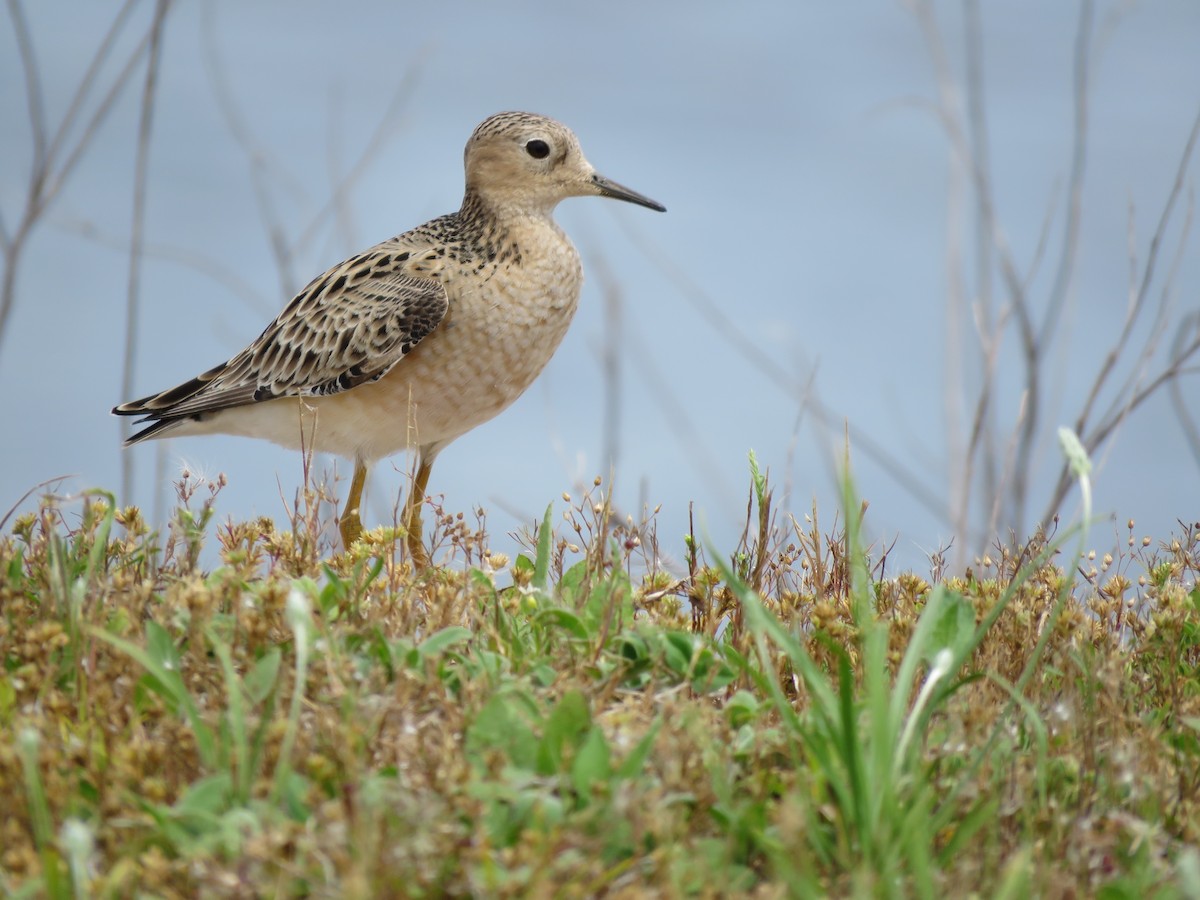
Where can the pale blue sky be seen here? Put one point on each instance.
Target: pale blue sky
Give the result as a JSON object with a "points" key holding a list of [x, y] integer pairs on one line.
{"points": [[806, 183]]}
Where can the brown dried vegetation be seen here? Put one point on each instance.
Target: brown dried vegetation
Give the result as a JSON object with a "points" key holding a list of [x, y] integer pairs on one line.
{"points": [[578, 723]]}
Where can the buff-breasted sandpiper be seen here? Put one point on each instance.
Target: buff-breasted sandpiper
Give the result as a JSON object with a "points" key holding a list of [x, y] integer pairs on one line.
{"points": [[419, 339]]}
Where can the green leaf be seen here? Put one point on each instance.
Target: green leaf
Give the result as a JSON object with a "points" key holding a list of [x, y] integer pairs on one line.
{"points": [[293, 791], [440, 641], [569, 584], [16, 568], [333, 596], [741, 709], [709, 671], [543, 675], [557, 617], [100, 544], [678, 647], [501, 725], [954, 626], [541, 568], [634, 648], [757, 479], [565, 727], [261, 680], [161, 661], [208, 796], [161, 649], [591, 764], [484, 580], [8, 700], [612, 591], [632, 765]]}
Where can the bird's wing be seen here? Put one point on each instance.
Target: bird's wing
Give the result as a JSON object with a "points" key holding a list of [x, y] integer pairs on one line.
{"points": [[346, 328]]}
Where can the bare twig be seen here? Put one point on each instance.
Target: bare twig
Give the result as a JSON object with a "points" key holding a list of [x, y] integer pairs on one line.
{"points": [[1002, 477], [33, 89], [1186, 345], [1034, 343], [610, 360], [185, 258], [48, 177], [133, 296], [984, 428], [265, 166], [794, 388], [1138, 301], [89, 80], [1186, 422], [401, 96], [57, 479], [262, 163]]}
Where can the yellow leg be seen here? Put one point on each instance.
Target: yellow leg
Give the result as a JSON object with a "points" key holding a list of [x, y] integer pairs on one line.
{"points": [[350, 524], [413, 529]]}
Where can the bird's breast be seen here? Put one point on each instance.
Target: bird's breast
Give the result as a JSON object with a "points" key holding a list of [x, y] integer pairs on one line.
{"points": [[504, 322]]}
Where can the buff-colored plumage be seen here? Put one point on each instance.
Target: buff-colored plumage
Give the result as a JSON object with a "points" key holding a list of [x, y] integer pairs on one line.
{"points": [[420, 338]]}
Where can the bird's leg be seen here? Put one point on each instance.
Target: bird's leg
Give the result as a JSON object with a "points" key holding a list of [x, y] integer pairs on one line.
{"points": [[413, 529], [350, 524]]}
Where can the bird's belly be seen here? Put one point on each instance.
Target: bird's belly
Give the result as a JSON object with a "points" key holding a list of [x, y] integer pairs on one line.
{"points": [[490, 347]]}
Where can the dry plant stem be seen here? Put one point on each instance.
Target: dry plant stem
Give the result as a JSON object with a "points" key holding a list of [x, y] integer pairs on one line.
{"points": [[1186, 422], [999, 477], [610, 360], [1034, 345], [133, 294], [1032, 348], [58, 479], [1183, 350], [265, 165], [48, 176], [745, 346]]}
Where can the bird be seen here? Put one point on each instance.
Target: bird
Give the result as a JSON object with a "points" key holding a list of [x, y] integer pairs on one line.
{"points": [[419, 339]]}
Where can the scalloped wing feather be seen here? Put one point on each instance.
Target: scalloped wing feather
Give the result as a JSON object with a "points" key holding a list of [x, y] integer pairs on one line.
{"points": [[348, 327]]}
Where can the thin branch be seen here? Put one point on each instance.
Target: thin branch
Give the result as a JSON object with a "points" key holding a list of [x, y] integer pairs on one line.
{"points": [[45, 182], [1018, 302], [958, 307], [643, 358], [980, 147], [1103, 432], [88, 81], [401, 97], [33, 91], [141, 169], [184, 257], [1114, 353], [29, 493], [1162, 317], [794, 441], [610, 358], [262, 164], [744, 346], [1070, 246], [93, 125], [1186, 423]]}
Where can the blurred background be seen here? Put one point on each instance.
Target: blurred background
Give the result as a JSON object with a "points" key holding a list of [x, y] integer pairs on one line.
{"points": [[934, 231]]}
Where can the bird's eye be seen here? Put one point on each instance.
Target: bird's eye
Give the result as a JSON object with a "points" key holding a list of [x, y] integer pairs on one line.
{"points": [[538, 149]]}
